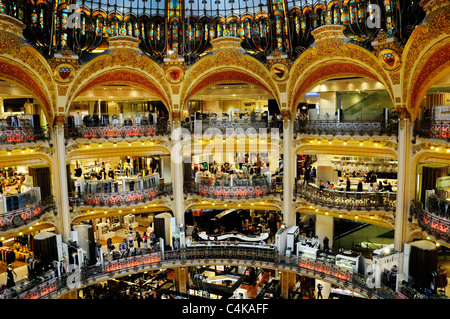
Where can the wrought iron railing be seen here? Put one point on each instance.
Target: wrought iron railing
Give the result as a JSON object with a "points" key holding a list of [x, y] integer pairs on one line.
{"points": [[193, 255], [432, 220], [432, 129], [346, 200], [118, 131], [23, 134], [22, 216], [351, 128], [120, 198], [233, 192], [247, 127]]}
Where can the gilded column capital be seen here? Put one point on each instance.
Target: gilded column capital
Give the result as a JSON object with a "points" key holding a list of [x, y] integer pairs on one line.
{"points": [[59, 121]]}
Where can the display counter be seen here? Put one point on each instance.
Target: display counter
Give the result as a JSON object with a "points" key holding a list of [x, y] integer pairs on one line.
{"points": [[104, 232], [306, 251], [130, 221]]}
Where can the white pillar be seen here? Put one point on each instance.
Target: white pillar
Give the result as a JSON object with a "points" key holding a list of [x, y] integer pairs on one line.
{"points": [[324, 227], [176, 159], [60, 178], [403, 181], [288, 172]]}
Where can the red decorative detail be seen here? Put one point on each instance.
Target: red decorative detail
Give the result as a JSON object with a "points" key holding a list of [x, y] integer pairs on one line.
{"points": [[175, 74]]}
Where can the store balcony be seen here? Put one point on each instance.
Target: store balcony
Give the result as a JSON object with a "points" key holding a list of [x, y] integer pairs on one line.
{"points": [[343, 200], [246, 125], [24, 211], [20, 135], [112, 197], [435, 219], [127, 130], [432, 129], [197, 254], [256, 190], [352, 128]]}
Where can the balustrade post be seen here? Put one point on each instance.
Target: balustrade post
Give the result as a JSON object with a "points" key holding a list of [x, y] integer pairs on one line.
{"points": [[59, 175]]}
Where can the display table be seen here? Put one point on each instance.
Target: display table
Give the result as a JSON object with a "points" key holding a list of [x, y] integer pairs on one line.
{"points": [[242, 237], [104, 232]]}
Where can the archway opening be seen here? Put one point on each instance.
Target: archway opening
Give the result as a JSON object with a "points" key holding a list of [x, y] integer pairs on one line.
{"points": [[353, 98], [116, 104], [22, 111], [434, 114]]}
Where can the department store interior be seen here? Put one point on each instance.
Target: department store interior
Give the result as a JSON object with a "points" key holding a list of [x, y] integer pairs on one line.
{"points": [[100, 176], [121, 183]]}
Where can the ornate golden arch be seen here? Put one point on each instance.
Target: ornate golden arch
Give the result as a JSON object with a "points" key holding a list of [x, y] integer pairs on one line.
{"points": [[121, 67], [426, 56], [25, 66], [227, 63], [331, 58]]}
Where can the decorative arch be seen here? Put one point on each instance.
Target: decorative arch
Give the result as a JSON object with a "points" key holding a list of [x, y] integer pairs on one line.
{"points": [[430, 69], [18, 75], [332, 58], [123, 66], [224, 75], [25, 66], [227, 63], [426, 55]]}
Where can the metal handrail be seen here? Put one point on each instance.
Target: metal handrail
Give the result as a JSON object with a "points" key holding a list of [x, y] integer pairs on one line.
{"points": [[16, 218], [200, 254], [346, 200], [359, 127], [120, 198], [233, 192]]}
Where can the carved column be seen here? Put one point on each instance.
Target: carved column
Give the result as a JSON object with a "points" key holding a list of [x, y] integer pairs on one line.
{"points": [[176, 158], [288, 170], [405, 134], [287, 283], [60, 178], [181, 279]]}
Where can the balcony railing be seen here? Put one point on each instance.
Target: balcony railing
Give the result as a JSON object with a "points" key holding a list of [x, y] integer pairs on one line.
{"points": [[140, 259], [435, 219], [233, 192], [432, 129], [351, 128], [15, 218], [120, 198], [117, 131], [346, 200], [245, 126], [23, 134]]}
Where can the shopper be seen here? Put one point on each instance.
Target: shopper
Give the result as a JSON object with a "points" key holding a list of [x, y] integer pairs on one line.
{"points": [[138, 239], [109, 245], [347, 188], [145, 239], [10, 273], [360, 186], [326, 243], [319, 291]]}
